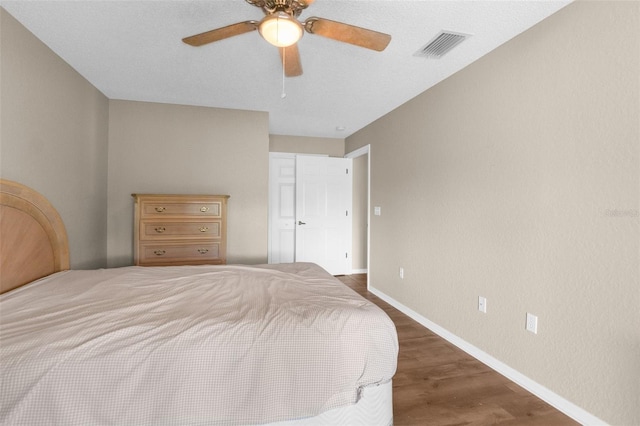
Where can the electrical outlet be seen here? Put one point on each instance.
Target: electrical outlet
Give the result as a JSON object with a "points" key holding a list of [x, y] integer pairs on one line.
{"points": [[377, 211], [532, 323], [401, 273], [482, 304]]}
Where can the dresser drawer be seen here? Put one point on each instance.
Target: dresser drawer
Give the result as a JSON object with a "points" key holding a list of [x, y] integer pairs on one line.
{"points": [[160, 208], [180, 253], [162, 230]]}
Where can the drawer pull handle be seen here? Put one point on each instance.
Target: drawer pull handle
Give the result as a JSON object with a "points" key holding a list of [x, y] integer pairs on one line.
{"points": [[159, 252], [160, 209], [203, 250], [204, 229], [160, 229], [204, 209]]}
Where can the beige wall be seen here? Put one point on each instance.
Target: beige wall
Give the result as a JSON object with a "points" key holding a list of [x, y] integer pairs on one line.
{"points": [[53, 138], [159, 148], [517, 179], [306, 145]]}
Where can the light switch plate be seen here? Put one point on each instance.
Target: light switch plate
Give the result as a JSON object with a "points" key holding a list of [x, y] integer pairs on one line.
{"points": [[532, 323], [482, 304]]}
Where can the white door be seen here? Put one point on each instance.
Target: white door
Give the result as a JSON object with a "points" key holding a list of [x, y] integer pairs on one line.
{"points": [[323, 212], [282, 207]]}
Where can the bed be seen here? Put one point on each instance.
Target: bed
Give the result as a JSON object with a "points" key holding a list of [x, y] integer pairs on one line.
{"points": [[195, 345]]}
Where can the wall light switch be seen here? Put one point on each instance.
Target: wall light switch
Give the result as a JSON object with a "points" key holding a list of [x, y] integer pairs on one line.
{"points": [[532, 323], [376, 211], [482, 304]]}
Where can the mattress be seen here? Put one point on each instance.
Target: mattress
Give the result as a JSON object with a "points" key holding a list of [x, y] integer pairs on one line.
{"points": [[189, 345]]}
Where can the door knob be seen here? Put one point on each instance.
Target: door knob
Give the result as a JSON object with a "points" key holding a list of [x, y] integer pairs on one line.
{"points": [[301, 222]]}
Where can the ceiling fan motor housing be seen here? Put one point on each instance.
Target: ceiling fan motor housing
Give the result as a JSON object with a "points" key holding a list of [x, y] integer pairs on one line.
{"points": [[290, 7]]}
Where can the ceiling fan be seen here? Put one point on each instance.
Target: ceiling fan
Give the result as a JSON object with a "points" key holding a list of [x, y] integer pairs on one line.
{"points": [[281, 28]]}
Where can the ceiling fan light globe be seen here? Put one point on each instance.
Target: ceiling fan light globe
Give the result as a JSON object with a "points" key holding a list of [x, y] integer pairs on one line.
{"points": [[280, 29]]}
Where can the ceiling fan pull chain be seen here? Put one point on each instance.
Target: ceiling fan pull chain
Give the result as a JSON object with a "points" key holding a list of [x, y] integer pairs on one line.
{"points": [[283, 94]]}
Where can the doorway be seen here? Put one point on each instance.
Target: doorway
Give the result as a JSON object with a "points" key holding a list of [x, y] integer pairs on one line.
{"points": [[310, 216], [361, 208]]}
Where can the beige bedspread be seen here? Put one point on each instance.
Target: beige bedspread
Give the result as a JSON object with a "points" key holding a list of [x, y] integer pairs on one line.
{"points": [[188, 345]]}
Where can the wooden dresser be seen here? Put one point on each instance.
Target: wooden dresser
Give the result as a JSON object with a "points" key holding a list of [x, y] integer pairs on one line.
{"points": [[180, 229]]}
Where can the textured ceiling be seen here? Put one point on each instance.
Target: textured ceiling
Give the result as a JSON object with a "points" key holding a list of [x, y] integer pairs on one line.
{"points": [[132, 50]]}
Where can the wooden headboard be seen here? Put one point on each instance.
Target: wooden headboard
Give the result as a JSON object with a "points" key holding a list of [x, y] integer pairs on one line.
{"points": [[33, 239]]}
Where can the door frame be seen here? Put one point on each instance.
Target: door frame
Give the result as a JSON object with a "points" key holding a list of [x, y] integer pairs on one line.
{"points": [[366, 150]]}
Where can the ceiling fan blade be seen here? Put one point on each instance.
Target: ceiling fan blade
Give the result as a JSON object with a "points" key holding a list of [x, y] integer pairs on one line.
{"points": [[346, 33], [221, 33], [290, 57]]}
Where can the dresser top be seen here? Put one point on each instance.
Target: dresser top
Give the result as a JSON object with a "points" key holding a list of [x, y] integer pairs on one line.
{"points": [[189, 196]]}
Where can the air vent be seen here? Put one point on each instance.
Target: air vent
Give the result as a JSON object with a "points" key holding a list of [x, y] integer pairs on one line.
{"points": [[441, 44]]}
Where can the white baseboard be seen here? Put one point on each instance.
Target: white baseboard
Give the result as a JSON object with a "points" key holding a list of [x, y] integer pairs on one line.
{"points": [[570, 409], [359, 271]]}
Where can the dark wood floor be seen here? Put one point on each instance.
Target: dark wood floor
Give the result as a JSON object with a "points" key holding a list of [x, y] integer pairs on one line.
{"points": [[438, 384]]}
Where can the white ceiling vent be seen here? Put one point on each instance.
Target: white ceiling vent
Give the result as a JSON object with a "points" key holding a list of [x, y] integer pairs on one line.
{"points": [[441, 44]]}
